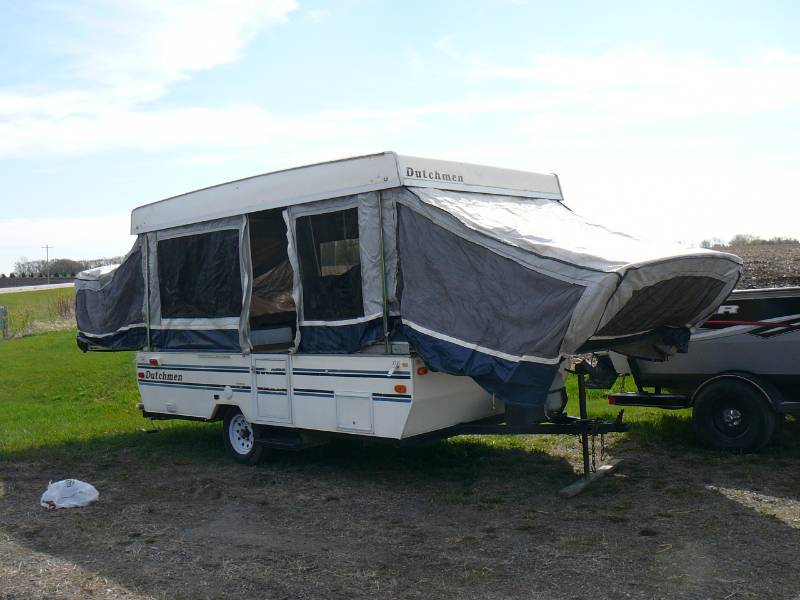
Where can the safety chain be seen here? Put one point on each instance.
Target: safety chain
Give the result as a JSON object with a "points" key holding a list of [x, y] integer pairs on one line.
{"points": [[594, 462]]}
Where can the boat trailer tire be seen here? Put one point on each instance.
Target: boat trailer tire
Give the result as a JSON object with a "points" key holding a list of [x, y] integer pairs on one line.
{"points": [[239, 437], [733, 414]]}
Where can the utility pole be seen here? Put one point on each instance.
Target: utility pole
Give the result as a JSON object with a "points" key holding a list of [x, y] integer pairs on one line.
{"points": [[47, 261]]}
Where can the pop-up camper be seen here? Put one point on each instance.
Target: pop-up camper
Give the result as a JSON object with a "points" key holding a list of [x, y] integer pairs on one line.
{"points": [[385, 296]]}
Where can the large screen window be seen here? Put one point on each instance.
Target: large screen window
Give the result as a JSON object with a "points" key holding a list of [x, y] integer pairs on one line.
{"points": [[199, 276], [330, 265]]}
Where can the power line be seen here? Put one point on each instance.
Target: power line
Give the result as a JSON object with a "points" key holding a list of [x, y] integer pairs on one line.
{"points": [[47, 248]]}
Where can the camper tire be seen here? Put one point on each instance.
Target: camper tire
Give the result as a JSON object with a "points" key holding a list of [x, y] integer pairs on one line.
{"points": [[239, 438], [733, 414]]}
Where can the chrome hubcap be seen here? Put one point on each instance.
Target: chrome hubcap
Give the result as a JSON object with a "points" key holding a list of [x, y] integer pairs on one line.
{"points": [[732, 417]]}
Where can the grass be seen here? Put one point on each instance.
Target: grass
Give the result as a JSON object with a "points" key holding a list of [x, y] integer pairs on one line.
{"points": [[39, 306], [53, 398]]}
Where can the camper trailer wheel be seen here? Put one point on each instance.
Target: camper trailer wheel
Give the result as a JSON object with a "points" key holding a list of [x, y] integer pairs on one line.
{"points": [[732, 414], [239, 437]]}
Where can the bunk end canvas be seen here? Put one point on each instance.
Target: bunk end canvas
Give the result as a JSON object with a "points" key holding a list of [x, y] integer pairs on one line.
{"points": [[502, 288], [110, 305]]}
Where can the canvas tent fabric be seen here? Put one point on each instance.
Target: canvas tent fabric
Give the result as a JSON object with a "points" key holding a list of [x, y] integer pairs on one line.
{"points": [[349, 332], [547, 237], [109, 304], [206, 263], [498, 288]]}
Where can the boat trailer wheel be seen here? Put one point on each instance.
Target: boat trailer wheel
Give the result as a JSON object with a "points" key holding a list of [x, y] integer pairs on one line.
{"points": [[730, 413]]}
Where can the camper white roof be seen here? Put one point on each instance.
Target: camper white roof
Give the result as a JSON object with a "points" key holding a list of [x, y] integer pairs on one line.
{"points": [[334, 179]]}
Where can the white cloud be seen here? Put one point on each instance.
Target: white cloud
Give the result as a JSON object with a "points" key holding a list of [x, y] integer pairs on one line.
{"points": [[122, 56], [633, 86], [317, 14], [140, 47], [232, 127], [617, 126], [567, 98]]}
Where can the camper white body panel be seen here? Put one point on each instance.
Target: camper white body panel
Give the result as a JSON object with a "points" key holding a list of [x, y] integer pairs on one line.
{"points": [[384, 396]]}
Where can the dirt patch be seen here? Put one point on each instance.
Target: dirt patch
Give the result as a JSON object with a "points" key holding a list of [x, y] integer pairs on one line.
{"points": [[331, 524], [768, 265]]}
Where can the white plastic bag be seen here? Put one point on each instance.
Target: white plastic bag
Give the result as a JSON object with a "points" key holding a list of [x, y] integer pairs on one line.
{"points": [[69, 493]]}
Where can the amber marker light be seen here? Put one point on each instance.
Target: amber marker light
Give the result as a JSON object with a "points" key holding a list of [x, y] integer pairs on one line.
{"points": [[422, 371], [400, 389]]}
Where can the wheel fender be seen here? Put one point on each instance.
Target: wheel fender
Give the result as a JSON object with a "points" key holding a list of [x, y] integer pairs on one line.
{"points": [[769, 392], [220, 408]]}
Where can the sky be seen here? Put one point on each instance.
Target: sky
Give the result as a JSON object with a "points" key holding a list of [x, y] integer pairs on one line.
{"points": [[675, 121]]}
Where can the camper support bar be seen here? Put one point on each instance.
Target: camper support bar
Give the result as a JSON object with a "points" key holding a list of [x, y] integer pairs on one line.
{"points": [[584, 415], [387, 345], [146, 247]]}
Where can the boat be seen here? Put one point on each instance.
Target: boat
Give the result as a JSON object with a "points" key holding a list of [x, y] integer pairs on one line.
{"points": [[741, 373]]}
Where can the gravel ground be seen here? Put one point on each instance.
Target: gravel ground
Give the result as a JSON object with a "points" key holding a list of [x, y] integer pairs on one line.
{"points": [[326, 524]]}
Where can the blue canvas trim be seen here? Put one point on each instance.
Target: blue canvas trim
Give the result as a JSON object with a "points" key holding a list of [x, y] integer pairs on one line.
{"points": [[523, 383], [340, 339], [220, 340], [134, 338]]}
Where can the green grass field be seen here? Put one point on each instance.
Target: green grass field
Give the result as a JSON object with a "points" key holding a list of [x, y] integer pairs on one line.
{"points": [[40, 306], [54, 398]]}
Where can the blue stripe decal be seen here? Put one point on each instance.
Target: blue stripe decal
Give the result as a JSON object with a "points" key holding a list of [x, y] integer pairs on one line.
{"points": [[315, 394], [352, 373], [403, 398], [194, 386], [388, 398], [196, 368]]}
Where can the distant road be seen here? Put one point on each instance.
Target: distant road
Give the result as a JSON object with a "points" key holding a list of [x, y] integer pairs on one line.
{"points": [[33, 288]]}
